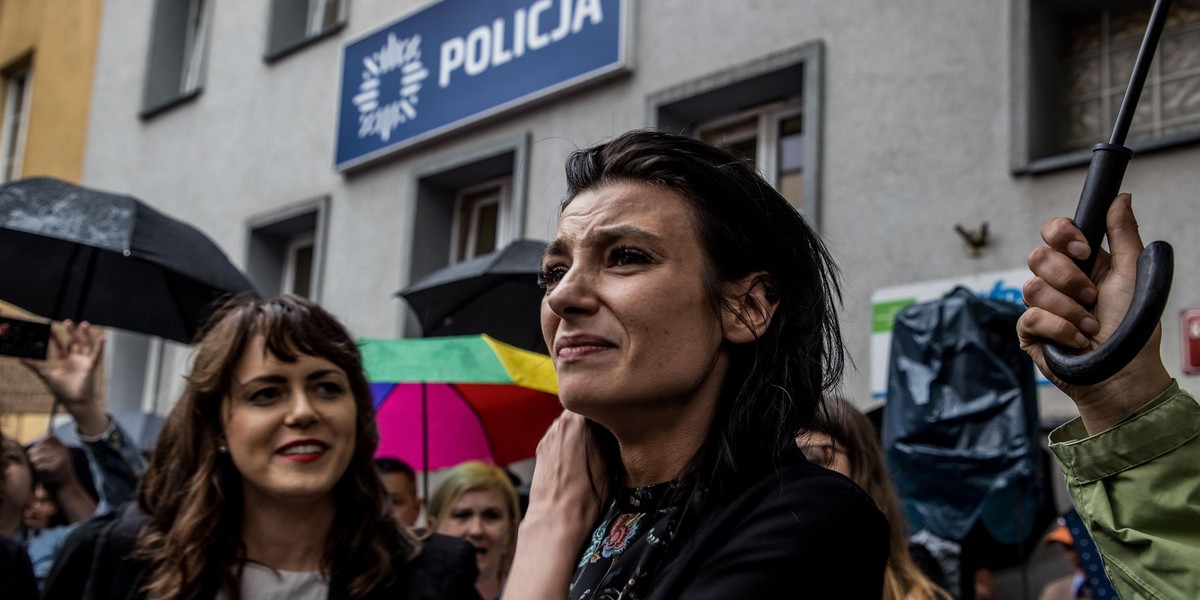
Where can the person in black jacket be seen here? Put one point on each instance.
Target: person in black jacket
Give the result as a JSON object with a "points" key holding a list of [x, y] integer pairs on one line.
{"points": [[262, 481], [16, 572], [691, 314]]}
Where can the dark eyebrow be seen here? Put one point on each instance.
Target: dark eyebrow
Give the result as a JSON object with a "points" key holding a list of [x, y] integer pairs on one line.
{"points": [[606, 236], [555, 248], [315, 375]]}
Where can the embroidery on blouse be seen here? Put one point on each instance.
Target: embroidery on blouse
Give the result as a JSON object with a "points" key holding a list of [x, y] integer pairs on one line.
{"points": [[624, 529]]}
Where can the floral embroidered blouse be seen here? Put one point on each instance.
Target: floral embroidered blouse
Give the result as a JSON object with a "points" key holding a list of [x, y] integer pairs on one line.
{"points": [[625, 544]]}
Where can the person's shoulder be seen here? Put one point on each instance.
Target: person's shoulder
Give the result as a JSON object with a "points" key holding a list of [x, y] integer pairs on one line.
{"points": [[800, 479], [16, 578], [98, 554], [446, 549], [804, 498], [444, 568]]}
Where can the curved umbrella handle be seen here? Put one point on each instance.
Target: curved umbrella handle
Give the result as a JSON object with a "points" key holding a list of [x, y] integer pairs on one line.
{"points": [[1154, 271]]}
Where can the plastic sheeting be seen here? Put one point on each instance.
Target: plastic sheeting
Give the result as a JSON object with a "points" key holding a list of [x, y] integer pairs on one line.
{"points": [[960, 425]]}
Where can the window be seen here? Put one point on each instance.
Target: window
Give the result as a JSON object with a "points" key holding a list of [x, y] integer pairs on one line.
{"points": [[16, 115], [1079, 59], [175, 67], [478, 218], [298, 23], [298, 265], [468, 203], [285, 253], [767, 111], [771, 139]]}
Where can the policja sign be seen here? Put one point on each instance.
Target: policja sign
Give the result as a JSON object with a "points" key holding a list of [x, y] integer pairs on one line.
{"points": [[460, 61]]}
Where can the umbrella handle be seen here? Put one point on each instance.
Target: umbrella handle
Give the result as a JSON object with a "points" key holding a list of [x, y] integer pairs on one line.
{"points": [[1155, 265]]}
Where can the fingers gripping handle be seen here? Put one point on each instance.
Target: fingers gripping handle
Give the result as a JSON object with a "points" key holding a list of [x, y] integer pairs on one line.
{"points": [[1101, 187], [1154, 272]]}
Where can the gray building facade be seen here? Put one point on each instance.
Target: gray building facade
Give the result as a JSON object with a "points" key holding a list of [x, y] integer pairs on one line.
{"points": [[888, 123]]}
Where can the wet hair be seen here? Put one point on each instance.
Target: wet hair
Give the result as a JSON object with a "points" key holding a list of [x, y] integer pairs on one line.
{"points": [[774, 384], [194, 493], [473, 476], [854, 434]]}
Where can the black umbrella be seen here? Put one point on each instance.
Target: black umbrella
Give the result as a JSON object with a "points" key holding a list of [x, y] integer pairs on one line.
{"points": [[82, 254], [496, 294]]}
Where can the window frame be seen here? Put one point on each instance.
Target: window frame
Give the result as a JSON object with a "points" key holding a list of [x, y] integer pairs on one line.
{"points": [[313, 32], [502, 200], [12, 151], [1036, 35], [796, 74], [766, 134], [193, 60], [292, 248], [272, 239]]}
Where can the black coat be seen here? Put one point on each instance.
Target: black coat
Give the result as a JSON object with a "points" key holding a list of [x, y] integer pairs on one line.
{"points": [[16, 573], [94, 564]]}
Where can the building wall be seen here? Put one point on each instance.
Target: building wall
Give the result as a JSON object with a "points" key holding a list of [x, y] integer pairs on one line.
{"points": [[917, 124]]}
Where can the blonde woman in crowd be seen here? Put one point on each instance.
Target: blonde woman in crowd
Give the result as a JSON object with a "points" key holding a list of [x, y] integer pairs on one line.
{"points": [[477, 501]]}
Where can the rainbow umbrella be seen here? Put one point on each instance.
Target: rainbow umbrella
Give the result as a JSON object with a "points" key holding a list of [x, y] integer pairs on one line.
{"points": [[444, 400]]}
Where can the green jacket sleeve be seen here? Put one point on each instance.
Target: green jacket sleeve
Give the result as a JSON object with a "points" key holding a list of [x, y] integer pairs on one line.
{"points": [[1137, 487]]}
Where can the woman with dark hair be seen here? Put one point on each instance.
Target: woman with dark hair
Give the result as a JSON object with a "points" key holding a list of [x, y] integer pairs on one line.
{"points": [[691, 314], [262, 480], [844, 440]]}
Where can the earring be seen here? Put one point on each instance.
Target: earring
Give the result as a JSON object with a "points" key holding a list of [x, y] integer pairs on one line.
{"points": [[223, 449]]}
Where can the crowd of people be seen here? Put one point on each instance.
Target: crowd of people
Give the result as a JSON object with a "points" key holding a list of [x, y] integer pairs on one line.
{"points": [[692, 317]]}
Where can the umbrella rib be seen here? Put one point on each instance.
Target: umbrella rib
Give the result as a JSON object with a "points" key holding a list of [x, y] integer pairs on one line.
{"points": [[61, 299], [88, 272]]}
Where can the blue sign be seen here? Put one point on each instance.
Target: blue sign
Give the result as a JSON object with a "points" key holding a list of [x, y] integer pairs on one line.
{"points": [[459, 61]]}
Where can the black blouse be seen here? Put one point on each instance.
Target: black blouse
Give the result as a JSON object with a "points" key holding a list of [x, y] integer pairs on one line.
{"points": [[800, 532]]}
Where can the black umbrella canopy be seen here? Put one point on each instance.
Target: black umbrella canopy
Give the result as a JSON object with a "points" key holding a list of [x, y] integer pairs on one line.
{"points": [[83, 254], [496, 294]]}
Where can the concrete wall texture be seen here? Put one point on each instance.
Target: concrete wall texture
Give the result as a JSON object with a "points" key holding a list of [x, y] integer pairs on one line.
{"points": [[918, 123]]}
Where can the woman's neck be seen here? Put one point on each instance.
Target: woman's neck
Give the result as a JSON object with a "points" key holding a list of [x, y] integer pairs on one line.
{"points": [[658, 445], [488, 586], [288, 537], [658, 439]]}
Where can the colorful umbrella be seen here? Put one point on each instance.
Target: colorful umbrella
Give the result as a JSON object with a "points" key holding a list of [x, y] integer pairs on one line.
{"points": [[440, 401]]}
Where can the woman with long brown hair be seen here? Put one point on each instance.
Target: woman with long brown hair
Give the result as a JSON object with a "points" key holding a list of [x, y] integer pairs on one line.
{"points": [[262, 480], [843, 439]]}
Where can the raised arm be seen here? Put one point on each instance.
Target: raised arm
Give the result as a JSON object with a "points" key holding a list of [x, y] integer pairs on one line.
{"points": [[1130, 460], [563, 508], [116, 464]]}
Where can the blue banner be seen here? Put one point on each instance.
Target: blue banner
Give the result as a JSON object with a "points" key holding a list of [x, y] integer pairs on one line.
{"points": [[459, 61]]}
